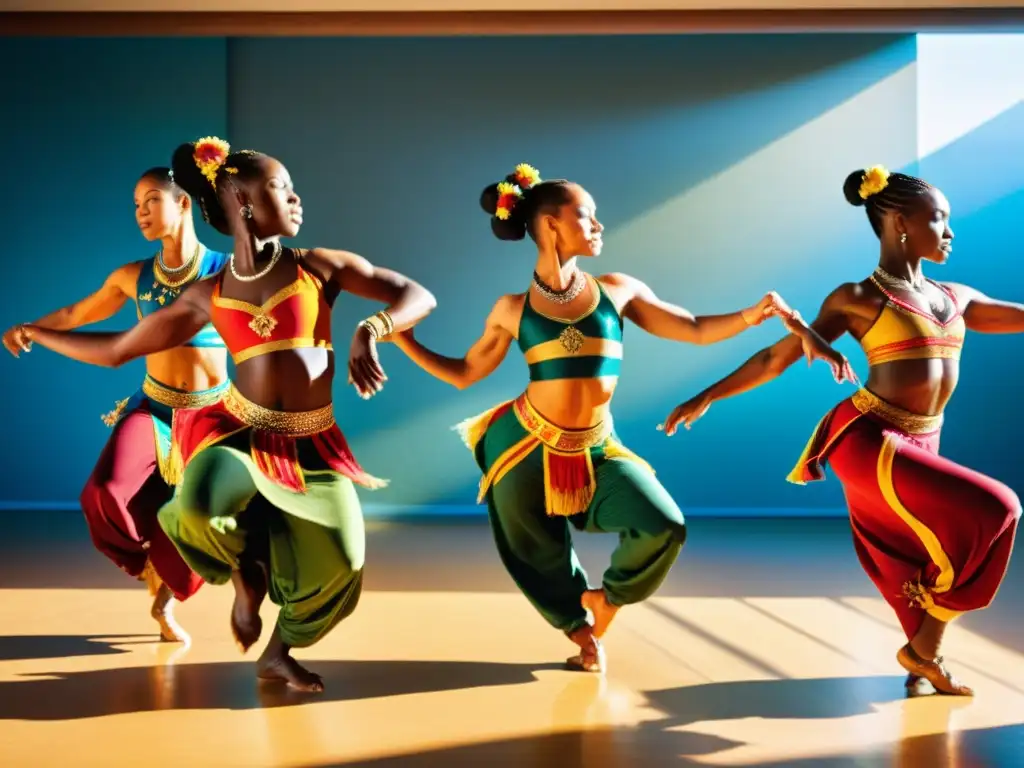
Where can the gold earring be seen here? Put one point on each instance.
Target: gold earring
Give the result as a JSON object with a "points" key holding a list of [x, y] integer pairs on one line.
{"points": [[903, 237]]}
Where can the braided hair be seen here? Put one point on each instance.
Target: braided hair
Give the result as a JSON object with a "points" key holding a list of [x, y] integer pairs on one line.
{"points": [[881, 192], [245, 165], [513, 213]]}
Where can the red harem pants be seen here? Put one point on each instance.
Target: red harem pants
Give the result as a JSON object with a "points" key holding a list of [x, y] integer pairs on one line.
{"points": [[933, 536], [121, 500]]}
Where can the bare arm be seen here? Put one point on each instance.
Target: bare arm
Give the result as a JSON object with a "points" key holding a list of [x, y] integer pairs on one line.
{"points": [[99, 305], [766, 365], [669, 321], [165, 329], [987, 315], [480, 361], [407, 301]]}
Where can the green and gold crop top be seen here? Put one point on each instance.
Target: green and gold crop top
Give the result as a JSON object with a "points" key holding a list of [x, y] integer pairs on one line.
{"points": [[587, 347]]}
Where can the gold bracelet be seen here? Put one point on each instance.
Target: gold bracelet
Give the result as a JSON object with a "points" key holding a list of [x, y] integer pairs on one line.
{"points": [[374, 325], [389, 324]]}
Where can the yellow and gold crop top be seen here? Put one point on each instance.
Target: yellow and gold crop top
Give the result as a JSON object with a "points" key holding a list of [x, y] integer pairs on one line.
{"points": [[905, 332]]}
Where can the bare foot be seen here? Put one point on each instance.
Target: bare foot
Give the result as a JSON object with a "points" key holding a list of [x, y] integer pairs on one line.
{"points": [[917, 686], [276, 664], [596, 601], [591, 657], [250, 584], [170, 630], [934, 671], [284, 668]]}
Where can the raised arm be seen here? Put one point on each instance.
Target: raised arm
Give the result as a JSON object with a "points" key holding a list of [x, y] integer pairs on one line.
{"points": [[831, 323], [165, 329], [97, 306], [480, 361], [406, 303], [987, 315]]}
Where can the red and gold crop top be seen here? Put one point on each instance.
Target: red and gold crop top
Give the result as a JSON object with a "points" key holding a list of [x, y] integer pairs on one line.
{"points": [[904, 332], [295, 317]]}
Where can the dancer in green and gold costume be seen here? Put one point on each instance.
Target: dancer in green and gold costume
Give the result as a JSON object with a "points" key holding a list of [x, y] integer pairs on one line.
{"points": [[550, 458]]}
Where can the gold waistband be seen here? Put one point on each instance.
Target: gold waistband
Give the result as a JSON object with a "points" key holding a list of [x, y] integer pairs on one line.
{"points": [[554, 437], [295, 423], [866, 401], [174, 398]]}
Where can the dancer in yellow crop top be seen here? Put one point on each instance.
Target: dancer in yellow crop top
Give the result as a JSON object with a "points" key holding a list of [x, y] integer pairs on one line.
{"points": [[550, 458], [934, 536]]}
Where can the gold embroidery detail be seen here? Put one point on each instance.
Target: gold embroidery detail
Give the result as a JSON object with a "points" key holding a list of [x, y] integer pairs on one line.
{"points": [[172, 398], [571, 340], [866, 401], [553, 436], [263, 325], [295, 423], [147, 296]]}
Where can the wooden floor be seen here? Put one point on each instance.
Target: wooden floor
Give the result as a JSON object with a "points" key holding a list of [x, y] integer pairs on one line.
{"points": [[766, 646]]}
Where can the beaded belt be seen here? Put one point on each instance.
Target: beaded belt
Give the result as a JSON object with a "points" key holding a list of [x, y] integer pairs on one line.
{"points": [[554, 437], [294, 423], [176, 398], [866, 401]]}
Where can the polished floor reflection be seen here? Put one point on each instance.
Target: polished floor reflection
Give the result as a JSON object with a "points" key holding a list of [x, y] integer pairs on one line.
{"points": [[766, 647]]}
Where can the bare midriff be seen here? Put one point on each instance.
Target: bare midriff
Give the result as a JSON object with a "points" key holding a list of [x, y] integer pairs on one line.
{"points": [[191, 369], [918, 386], [573, 403]]}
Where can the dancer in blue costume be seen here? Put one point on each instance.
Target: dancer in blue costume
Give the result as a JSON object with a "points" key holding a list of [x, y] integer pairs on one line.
{"points": [[133, 477]]}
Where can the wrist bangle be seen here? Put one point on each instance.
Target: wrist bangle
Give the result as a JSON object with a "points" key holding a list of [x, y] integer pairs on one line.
{"points": [[379, 325], [389, 324], [374, 325]]}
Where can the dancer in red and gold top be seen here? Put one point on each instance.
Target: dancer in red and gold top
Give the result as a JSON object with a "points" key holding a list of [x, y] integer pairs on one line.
{"points": [[934, 536], [267, 498]]}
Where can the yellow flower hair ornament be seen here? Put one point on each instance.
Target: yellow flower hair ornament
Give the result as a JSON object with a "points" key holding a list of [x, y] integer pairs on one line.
{"points": [[510, 193], [526, 176], [210, 154], [509, 196], [874, 180]]}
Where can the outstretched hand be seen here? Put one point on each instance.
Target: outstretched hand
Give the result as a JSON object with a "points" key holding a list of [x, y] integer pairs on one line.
{"points": [[686, 414], [816, 348], [17, 340], [771, 305], [365, 372]]}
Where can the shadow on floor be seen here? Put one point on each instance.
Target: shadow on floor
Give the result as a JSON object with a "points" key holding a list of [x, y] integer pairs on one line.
{"points": [[637, 748], [25, 647], [660, 742], [233, 685]]}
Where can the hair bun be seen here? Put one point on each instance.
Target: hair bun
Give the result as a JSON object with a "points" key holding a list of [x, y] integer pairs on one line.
{"points": [[851, 188], [511, 228], [187, 174], [489, 199]]}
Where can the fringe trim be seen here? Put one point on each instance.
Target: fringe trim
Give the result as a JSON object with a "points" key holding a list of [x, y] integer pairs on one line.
{"points": [[277, 457], [171, 466], [569, 482], [472, 430], [150, 578], [616, 450], [333, 448]]}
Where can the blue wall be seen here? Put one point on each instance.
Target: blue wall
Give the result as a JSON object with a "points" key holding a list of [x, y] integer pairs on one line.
{"points": [[82, 119], [716, 162]]}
